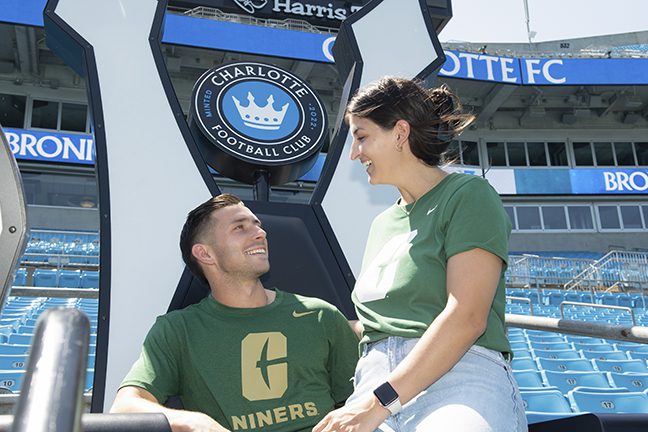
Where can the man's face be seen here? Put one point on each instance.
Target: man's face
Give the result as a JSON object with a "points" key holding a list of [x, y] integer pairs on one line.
{"points": [[237, 242]]}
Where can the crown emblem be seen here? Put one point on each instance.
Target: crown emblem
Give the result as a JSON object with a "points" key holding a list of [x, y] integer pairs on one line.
{"points": [[258, 117]]}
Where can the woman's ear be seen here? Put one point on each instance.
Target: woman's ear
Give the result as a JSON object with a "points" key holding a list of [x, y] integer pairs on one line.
{"points": [[402, 129]]}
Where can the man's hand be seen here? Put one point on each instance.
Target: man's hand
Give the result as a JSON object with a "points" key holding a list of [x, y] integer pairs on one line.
{"points": [[363, 416], [189, 421], [135, 399]]}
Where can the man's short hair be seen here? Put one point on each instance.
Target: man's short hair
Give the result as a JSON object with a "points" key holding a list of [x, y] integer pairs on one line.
{"points": [[198, 220]]}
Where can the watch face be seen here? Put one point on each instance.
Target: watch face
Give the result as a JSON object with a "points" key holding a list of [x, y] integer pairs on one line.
{"points": [[386, 394]]}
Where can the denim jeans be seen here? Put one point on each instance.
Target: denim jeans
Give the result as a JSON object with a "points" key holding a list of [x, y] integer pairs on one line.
{"points": [[477, 394]]}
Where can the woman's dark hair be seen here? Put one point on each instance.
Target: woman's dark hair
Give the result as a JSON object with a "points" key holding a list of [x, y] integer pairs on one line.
{"points": [[198, 220], [435, 115]]}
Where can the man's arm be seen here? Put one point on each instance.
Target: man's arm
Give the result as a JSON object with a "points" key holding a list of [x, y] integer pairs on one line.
{"points": [[133, 399]]}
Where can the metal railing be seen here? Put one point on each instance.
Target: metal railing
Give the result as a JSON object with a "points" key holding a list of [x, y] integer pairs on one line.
{"points": [[533, 270], [51, 394], [287, 24], [594, 305], [628, 268], [582, 328], [524, 300]]}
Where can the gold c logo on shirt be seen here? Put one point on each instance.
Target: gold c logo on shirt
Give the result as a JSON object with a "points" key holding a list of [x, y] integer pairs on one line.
{"points": [[264, 369]]}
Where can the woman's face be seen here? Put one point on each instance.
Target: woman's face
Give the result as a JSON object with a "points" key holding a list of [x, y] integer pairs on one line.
{"points": [[375, 148]]}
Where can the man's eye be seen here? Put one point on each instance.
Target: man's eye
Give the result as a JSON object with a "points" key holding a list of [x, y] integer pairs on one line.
{"points": [[238, 227]]}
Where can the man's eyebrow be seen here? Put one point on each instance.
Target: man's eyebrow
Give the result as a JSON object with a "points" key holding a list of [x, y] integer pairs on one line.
{"points": [[254, 220]]}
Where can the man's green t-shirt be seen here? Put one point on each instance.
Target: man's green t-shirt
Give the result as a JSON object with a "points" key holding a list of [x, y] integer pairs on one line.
{"points": [[402, 285], [281, 367]]}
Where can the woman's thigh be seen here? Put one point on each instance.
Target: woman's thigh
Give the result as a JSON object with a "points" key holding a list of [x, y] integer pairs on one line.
{"points": [[477, 394]]}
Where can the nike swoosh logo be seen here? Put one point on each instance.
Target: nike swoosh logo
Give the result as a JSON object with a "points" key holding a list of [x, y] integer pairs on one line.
{"points": [[301, 314], [432, 209]]}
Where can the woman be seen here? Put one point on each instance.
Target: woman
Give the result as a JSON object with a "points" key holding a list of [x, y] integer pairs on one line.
{"points": [[430, 296]]}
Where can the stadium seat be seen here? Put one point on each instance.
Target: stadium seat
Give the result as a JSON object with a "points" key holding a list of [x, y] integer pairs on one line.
{"points": [[21, 277], [622, 402], [11, 380], [553, 346], [524, 363], [632, 347], [543, 338], [593, 347], [20, 339], [551, 401], [90, 279], [13, 349], [8, 362], [604, 355], [45, 278], [565, 364], [69, 278], [566, 381], [633, 382], [539, 417], [527, 378], [638, 355], [562, 354], [621, 366]]}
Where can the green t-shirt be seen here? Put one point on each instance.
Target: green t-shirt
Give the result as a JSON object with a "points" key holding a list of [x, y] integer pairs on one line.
{"points": [[402, 285], [279, 367]]}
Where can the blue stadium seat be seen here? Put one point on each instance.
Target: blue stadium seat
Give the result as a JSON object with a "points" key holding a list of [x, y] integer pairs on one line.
{"points": [[565, 364], [633, 382], [44, 278], [552, 354], [631, 347], [20, 339], [551, 346], [524, 363], [8, 362], [604, 355], [11, 380], [566, 381], [13, 349], [621, 366], [543, 338], [527, 378], [551, 401], [21, 277], [638, 355], [622, 402], [69, 279], [90, 279], [593, 347]]}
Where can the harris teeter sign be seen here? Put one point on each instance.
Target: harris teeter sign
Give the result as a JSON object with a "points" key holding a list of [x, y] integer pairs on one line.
{"points": [[252, 117]]}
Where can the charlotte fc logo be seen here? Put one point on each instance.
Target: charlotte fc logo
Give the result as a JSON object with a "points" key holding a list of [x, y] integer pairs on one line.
{"points": [[257, 113], [260, 118]]}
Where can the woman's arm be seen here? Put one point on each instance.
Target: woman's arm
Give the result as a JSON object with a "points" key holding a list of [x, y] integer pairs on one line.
{"points": [[472, 279]]}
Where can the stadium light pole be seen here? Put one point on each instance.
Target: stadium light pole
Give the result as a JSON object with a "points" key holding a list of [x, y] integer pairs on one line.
{"points": [[530, 34]]}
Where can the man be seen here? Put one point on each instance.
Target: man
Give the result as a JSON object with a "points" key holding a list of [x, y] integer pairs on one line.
{"points": [[245, 358]]}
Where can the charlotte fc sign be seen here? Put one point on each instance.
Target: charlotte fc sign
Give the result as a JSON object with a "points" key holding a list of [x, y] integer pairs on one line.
{"points": [[254, 116]]}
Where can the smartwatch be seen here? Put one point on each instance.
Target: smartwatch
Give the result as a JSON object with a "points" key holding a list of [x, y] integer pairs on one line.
{"points": [[388, 397]]}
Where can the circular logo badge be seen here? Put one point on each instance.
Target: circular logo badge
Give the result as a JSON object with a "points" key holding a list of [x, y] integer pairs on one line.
{"points": [[259, 113]]}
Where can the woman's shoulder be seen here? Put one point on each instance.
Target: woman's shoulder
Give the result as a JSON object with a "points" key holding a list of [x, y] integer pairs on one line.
{"points": [[467, 182]]}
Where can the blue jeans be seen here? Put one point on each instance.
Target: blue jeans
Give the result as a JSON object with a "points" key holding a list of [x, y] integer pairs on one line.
{"points": [[478, 394]]}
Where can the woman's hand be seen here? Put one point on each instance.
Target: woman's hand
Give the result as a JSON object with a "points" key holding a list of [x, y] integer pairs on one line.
{"points": [[363, 416]]}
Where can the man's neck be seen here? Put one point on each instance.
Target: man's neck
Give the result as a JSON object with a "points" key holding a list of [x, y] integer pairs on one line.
{"points": [[241, 294]]}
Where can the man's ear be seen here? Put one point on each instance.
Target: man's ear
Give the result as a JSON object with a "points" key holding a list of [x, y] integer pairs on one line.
{"points": [[202, 253]]}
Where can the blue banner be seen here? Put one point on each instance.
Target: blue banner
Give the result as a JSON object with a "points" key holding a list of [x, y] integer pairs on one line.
{"points": [[581, 181], [609, 181], [51, 146], [227, 36]]}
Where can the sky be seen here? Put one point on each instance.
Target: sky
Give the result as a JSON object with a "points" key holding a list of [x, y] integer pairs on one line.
{"points": [[504, 20]]}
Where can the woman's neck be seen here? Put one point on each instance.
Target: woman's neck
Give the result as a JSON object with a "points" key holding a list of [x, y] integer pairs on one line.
{"points": [[418, 182]]}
